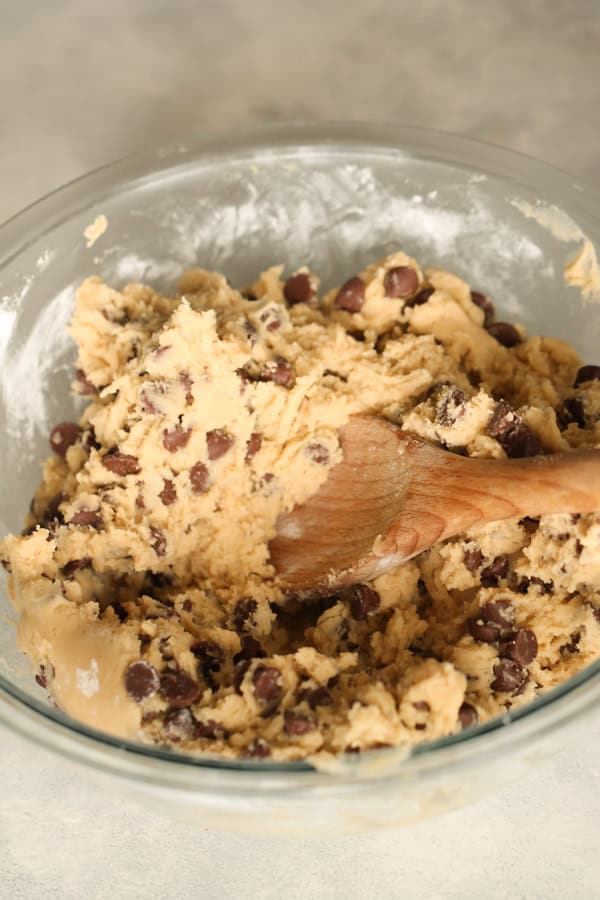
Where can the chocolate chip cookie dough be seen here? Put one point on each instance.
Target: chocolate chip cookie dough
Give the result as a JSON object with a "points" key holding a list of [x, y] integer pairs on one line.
{"points": [[147, 602]]}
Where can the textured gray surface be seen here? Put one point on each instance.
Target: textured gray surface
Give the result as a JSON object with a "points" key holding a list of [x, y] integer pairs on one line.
{"points": [[82, 83], [63, 836]]}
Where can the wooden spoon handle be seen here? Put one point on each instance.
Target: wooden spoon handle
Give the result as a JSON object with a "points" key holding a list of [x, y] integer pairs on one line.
{"points": [[449, 493]]}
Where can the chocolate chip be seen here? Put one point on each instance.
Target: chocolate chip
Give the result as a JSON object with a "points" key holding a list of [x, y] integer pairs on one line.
{"points": [[187, 383], [511, 432], [509, 676], [493, 618], [486, 305], [74, 564], [168, 495], [141, 680], [351, 295], [258, 749], [526, 582], [521, 645], [401, 281], [52, 514], [317, 452], [298, 289], [159, 579], [187, 605], [88, 441], [498, 612], [467, 716], [238, 674], [268, 685], [422, 706], [505, 333], [317, 696], [272, 319], [450, 406], [119, 610], [279, 371], [482, 631], [176, 438], [64, 436], [199, 478], [491, 575], [530, 524], [179, 725], [421, 298], [364, 601], [253, 445], [250, 649], [85, 387], [246, 376], [587, 373], [357, 335], [473, 558], [210, 730], [218, 442], [297, 724], [179, 689], [121, 463], [573, 410], [243, 613], [89, 517], [147, 404], [210, 656], [159, 541], [165, 649], [45, 674], [572, 646]]}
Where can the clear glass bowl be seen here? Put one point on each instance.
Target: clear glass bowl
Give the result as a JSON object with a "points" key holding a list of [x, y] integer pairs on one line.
{"points": [[334, 198]]}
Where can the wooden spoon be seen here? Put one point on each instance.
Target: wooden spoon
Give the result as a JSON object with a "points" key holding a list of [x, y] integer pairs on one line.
{"points": [[394, 495]]}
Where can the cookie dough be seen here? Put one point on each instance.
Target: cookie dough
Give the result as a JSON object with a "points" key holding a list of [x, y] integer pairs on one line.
{"points": [[147, 602]]}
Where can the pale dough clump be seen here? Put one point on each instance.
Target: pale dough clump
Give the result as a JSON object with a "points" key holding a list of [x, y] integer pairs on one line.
{"points": [[147, 601]]}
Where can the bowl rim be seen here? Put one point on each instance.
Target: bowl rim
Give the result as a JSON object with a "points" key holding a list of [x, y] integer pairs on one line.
{"points": [[149, 764]]}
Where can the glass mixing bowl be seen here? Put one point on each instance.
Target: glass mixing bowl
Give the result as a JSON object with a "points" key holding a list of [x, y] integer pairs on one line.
{"points": [[334, 198]]}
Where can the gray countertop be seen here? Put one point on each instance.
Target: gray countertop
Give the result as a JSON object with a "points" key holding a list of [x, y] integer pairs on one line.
{"points": [[82, 83]]}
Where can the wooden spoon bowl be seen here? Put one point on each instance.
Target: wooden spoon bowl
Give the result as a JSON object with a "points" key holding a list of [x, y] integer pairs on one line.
{"points": [[394, 495]]}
